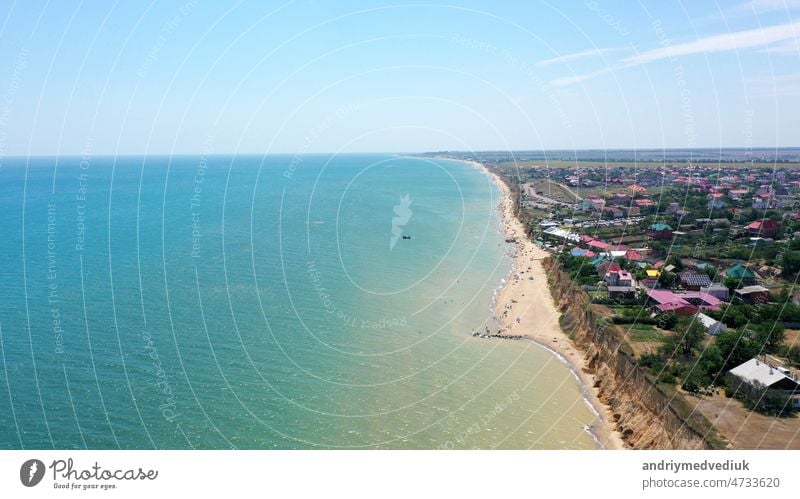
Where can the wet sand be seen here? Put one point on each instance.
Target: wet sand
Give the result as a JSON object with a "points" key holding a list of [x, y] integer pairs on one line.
{"points": [[526, 308]]}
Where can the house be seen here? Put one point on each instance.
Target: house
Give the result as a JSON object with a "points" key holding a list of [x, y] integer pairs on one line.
{"points": [[737, 194], [712, 326], [633, 255], [622, 292], [592, 203], [636, 189], [693, 281], [607, 267], [752, 294], [561, 234], [704, 301], [659, 231], [631, 211], [715, 202], [620, 198], [756, 375], [649, 282], [667, 301], [652, 273], [763, 228], [593, 244], [619, 278], [742, 275], [717, 290], [762, 202]]}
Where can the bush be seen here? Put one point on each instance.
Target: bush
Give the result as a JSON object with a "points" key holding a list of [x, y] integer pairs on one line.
{"points": [[667, 321], [696, 381], [652, 362], [667, 377]]}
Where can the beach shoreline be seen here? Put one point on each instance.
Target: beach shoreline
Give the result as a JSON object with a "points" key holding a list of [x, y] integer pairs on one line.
{"points": [[526, 295]]}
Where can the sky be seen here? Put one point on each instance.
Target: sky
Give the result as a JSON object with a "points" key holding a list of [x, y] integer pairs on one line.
{"points": [[306, 76]]}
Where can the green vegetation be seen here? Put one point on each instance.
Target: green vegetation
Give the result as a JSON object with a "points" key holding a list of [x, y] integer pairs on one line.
{"points": [[710, 236], [759, 398], [697, 363]]}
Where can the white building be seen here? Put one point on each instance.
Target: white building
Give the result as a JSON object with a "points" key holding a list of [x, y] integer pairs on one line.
{"points": [[757, 374], [711, 325]]}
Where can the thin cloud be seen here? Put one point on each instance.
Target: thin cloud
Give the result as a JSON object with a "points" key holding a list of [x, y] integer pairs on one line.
{"points": [[786, 47], [726, 42], [753, 8], [759, 7], [577, 55], [571, 80], [737, 40]]}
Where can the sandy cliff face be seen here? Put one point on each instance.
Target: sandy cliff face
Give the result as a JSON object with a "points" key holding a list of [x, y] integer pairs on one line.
{"points": [[643, 415]]}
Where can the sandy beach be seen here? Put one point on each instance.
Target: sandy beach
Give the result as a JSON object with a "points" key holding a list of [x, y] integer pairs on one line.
{"points": [[526, 308]]}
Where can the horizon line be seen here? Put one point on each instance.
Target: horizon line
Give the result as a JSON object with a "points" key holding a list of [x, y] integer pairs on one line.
{"points": [[440, 151]]}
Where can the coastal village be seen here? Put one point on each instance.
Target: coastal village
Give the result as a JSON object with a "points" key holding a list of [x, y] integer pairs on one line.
{"points": [[697, 264], [695, 267]]}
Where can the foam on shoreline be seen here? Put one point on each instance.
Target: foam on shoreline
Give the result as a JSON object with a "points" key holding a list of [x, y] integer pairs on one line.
{"points": [[539, 302]]}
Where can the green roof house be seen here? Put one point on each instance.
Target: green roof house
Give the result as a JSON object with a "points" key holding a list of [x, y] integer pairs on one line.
{"points": [[742, 274], [659, 231]]}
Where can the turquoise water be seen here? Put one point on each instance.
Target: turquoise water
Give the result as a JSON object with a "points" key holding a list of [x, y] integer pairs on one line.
{"points": [[252, 302]]}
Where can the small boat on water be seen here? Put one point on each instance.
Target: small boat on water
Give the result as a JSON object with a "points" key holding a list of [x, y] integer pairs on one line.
{"points": [[406, 237]]}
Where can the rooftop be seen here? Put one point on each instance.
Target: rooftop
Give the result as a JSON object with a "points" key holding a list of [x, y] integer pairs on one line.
{"points": [[751, 289], [738, 271], [706, 320], [755, 370], [691, 279]]}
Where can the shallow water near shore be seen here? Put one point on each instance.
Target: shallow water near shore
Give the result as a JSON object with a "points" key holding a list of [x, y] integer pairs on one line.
{"points": [[251, 302]]}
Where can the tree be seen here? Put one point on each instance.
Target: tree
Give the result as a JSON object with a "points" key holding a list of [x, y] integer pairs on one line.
{"points": [[696, 380], [732, 283], [666, 280], [790, 264], [667, 321], [683, 342], [784, 296], [676, 261], [770, 336], [706, 370], [711, 272], [692, 337], [735, 347], [711, 363]]}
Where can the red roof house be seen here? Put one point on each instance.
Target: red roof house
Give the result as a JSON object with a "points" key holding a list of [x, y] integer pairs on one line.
{"points": [[763, 228]]}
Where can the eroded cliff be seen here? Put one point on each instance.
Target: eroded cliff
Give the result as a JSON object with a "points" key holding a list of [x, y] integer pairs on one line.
{"points": [[646, 416]]}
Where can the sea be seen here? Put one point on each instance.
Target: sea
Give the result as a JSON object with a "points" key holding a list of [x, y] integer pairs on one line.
{"points": [[265, 302]]}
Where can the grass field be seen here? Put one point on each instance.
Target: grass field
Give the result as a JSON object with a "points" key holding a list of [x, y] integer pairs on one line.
{"points": [[644, 332], [554, 190]]}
